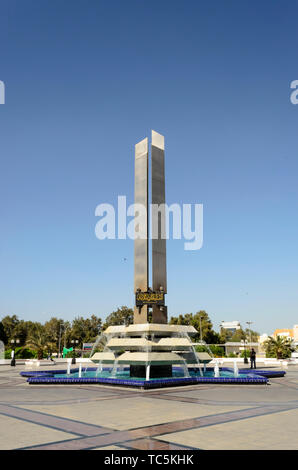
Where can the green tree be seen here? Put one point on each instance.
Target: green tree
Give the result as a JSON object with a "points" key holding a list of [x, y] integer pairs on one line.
{"points": [[253, 335], [211, 337], [238, 335], [279, 347], [22, 330], [201, 322], [10, 323], [95, 326], [225, 335], [54, 329], [3, 336], [13, 328], [85, 329], [38, 340], [121, 316]]}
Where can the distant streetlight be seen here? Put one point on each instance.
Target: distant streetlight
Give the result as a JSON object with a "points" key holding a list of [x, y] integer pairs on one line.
{"points": [[244, 342], [13, 344], [59, 344], [249, 323], [201, 338], [74, 342]]}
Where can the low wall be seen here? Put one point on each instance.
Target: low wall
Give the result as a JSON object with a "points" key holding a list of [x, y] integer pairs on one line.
{"points": [[45, 362]]}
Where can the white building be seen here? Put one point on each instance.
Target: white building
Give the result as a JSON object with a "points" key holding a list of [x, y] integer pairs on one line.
{"points": [[232, 326], [263, 338], [295, 333]]}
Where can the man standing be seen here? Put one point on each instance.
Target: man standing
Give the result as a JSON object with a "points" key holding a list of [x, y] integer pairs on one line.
{"points": [[252, 357]]}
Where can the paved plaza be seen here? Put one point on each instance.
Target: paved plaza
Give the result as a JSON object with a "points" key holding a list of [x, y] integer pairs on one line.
{"points": [[193, 417]]}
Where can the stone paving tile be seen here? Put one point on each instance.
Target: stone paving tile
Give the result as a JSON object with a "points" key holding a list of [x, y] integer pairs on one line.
{"points": [[55, 422], [87, 442], [130, 412], [98, 417], [154, 444], [271, 432], [292, 384], [15, 433], [48, 394], [202, 401], [174, 390], [110, 448], [117, 437], [207, 421], [244, 394], [158, 431]]}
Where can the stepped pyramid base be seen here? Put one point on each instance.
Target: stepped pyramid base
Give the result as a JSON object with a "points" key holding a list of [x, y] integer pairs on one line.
{"points": [[150, 350]]}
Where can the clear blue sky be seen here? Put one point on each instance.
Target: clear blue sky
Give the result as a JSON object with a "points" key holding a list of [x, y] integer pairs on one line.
{"points": [[85, 81]]}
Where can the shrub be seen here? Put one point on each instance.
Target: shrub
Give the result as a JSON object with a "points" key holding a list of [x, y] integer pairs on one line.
{"points": [[86, 354], [70, 354], [26, 353], [21, 353], [201, 348], [217, 351], [245, 353]]}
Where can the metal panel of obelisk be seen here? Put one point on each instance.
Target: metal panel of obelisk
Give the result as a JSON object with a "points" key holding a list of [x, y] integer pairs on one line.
{"points": [[141, 227], [154, 298], [158, 229]]}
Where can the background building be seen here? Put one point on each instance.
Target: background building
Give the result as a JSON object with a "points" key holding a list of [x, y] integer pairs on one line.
{"points": [[284, 333], [238, 347], [231, 326]]}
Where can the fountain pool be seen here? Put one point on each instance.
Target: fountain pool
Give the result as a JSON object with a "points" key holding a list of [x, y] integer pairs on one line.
{"points": [[149, 356], [90, 375]]}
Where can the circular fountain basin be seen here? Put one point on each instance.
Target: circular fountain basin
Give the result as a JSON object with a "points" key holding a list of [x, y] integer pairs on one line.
{"points": [[91, 376]]}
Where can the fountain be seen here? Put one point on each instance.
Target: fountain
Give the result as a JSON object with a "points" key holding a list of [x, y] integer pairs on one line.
{"points": [[150, 350], [216, 369], [236, 371]]}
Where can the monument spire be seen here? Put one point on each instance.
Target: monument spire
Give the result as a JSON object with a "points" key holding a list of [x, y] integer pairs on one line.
{"points": [[155, 297]]}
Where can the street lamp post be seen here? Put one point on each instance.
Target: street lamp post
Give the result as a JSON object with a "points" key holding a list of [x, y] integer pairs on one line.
{"points": [[74, 342], [59, 343], [249, 323], [13, 343], [201, 339], [244, 341]]}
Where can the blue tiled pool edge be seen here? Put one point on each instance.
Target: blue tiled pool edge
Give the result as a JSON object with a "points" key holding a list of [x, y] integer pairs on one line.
{"points": [[46, 378]]}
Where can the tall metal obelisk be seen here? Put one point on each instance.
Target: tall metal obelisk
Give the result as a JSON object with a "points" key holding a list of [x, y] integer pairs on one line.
{"points": [[145, 296]]}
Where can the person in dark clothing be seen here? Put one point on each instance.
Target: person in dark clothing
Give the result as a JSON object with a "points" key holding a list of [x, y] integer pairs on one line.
{"points": [[252, 357], [50, 357]]}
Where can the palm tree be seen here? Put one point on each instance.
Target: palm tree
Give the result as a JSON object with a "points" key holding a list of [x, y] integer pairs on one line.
{"points": [[278, 347], [39, 341]]}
